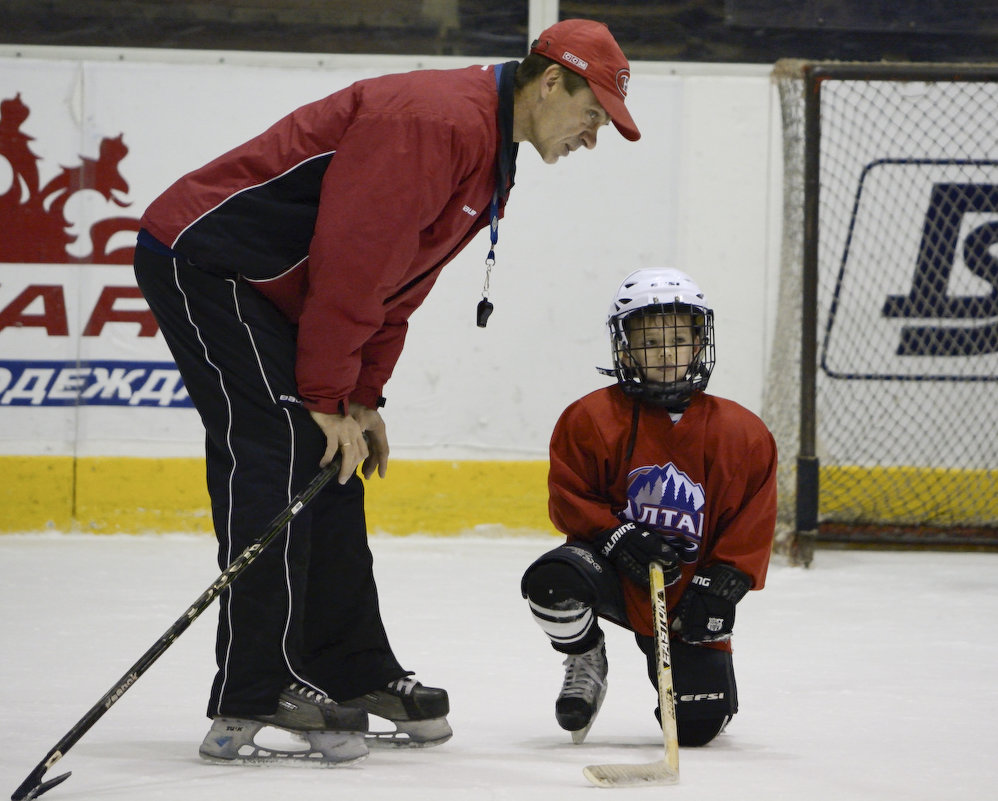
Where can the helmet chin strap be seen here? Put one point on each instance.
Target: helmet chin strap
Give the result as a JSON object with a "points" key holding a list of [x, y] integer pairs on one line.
{"points": [[675, 398]]}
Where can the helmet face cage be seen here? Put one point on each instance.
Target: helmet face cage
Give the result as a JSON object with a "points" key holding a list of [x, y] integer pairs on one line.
{"points": [[663, 353]]}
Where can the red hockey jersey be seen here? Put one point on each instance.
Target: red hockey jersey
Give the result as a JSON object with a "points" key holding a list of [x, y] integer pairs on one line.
{"points": [[707, 481]]}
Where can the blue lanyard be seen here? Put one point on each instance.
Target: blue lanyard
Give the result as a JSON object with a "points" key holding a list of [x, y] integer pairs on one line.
{"points": [[494, 208], [484, 306]]}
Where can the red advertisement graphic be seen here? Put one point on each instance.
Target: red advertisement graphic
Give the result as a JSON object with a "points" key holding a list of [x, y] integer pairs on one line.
{"points": [[73, 325], [32, 216]]}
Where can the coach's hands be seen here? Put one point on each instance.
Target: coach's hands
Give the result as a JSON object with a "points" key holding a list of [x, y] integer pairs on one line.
{"points": [[632, 548], [375, 439], [360, 438]]}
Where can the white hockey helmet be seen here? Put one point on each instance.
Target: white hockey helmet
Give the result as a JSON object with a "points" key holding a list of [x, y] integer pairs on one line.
{"points": [[651, 292]]}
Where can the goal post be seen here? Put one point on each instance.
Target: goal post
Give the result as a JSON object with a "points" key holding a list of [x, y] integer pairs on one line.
{"points": [[883, 379]]}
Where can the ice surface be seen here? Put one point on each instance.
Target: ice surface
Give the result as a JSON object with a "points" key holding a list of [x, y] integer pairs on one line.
{"points": [[872, 675]]}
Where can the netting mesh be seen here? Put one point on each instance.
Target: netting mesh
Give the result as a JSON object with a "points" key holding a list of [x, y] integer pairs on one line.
{"points": [[907, 311]]}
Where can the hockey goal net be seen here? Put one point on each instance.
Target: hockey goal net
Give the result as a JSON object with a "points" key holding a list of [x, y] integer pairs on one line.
{"points": [[883, 386]]}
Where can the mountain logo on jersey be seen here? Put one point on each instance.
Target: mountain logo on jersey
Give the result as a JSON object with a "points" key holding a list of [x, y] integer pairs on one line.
{"points": [[665, 499]]}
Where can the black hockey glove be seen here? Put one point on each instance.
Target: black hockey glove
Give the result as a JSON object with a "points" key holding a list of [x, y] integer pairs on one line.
{"points": [[706, 612], [632, 548]]}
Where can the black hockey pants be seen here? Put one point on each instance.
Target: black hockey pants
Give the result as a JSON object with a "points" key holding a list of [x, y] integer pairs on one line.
{"points": [[307, 609]]}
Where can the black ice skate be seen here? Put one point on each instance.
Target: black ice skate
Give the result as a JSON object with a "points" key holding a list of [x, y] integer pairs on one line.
{"points": [[330, 734], [419, 714], [582, 691]]}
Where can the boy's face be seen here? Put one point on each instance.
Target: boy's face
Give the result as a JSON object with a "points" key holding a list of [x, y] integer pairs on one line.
{"points": [[662, 345]]}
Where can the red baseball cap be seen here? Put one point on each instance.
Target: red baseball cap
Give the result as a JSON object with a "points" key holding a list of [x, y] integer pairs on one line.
{"points": [[588, 48]]}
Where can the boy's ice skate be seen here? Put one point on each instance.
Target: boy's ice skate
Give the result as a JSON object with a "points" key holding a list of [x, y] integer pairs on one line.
{"points": [[330, 734], [419, 714], [582, 691]]}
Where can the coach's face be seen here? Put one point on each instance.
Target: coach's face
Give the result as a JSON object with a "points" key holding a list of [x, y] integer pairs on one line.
{"points": [[563, 122]]}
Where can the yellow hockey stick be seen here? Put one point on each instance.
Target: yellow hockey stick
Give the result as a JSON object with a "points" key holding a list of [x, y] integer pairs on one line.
{"points": [[665, 770]]}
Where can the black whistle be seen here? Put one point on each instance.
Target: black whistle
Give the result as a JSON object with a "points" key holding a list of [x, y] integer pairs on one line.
{"points": [[484, 310]]}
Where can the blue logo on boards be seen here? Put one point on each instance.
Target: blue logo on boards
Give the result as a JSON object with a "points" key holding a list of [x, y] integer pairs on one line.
{"points": [[916, 296], [92, 383]]}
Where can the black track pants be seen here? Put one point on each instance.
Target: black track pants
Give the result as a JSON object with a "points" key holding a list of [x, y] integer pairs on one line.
{"points": [[307, 609]]}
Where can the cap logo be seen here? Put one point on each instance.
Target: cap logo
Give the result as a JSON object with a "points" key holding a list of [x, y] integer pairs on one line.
{"points": [[571, 58], [623, 78]]}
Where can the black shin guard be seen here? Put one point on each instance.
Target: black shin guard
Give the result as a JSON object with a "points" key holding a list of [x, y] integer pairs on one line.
{"points": [[705, 689]]}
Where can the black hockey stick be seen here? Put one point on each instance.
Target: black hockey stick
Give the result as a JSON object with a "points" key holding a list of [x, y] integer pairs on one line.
{"points": [[34, 786]]}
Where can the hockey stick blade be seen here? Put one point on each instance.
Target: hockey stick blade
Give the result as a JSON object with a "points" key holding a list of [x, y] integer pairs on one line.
{"points": [[648, 774], [34, 785], [666, 770]]}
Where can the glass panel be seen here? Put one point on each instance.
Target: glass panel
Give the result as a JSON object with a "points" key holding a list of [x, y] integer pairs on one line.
{"points": [[753, 31]]}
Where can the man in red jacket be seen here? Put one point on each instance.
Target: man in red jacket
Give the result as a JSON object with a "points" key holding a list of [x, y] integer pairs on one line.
{"points": [[282, 275], [654, 469]]}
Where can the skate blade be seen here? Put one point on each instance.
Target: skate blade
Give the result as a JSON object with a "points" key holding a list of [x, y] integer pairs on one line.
{"points": [[262, 757], [239, 746], [579, 736], [412, 734]]}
